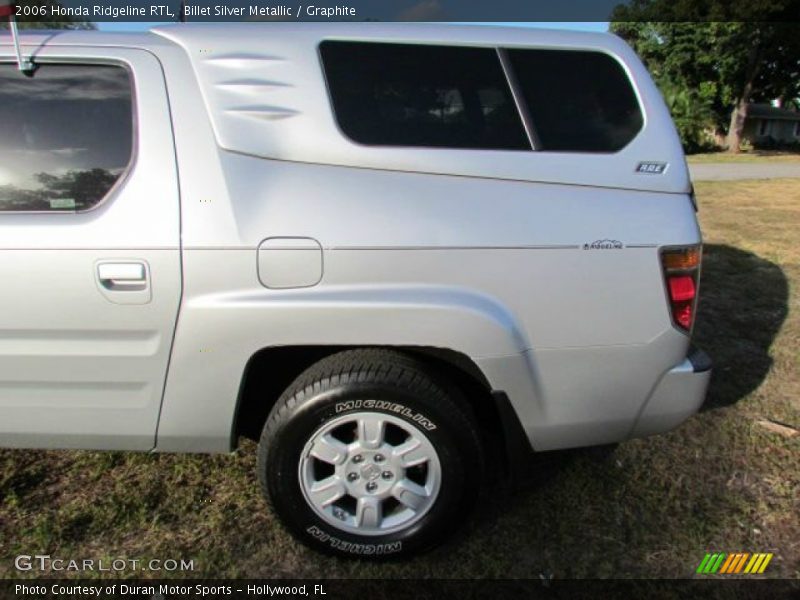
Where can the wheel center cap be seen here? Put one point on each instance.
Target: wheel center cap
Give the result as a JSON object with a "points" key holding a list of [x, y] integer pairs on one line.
{"points": [[370, 472]]}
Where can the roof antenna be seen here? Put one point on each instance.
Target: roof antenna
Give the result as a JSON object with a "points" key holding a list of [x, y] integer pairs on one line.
{"points": [[23, 64]]}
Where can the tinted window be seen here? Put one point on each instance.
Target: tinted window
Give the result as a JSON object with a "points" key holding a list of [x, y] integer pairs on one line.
{"points": [[414, 95], [65, 135], [578, 101]]}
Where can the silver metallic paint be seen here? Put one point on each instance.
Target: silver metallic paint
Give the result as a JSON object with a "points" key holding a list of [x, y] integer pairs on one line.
{"points": [[476, 251]]}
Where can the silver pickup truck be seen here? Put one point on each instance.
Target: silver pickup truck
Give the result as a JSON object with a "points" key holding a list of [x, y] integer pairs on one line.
{"points": [[401, 256]]}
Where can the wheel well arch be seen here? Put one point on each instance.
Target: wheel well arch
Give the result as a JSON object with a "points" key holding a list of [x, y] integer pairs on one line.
{"points": [[271, 370]]}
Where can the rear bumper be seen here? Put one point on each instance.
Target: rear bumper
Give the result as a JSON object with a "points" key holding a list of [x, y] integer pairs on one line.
{"points": [[678, 395]]}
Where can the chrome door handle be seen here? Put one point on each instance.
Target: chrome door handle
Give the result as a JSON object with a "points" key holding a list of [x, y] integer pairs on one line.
{"points": [[122, 277]]}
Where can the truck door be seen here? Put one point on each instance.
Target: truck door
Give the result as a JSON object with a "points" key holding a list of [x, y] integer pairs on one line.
{"points": [[90, 275]]}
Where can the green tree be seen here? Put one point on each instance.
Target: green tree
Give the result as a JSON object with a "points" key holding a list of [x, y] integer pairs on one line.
{"points": [[722, 64], [692, 115]]}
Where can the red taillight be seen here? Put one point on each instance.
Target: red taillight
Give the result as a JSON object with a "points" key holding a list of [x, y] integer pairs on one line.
{"points": [[683, 313], [681, 268], [681, 288]]}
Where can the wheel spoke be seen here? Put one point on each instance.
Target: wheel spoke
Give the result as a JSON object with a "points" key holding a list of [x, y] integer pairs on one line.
{"points": [[411, 453], [410, 494], [370, 432], [369, 512], [327, 491], [328, 449]]}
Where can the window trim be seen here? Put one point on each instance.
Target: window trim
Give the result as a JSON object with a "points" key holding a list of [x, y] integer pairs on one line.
{"points": [[341, 131], [134, 155], [519, 100]]}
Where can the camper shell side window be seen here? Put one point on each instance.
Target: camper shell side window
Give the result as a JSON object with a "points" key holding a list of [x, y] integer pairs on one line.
{"points": [[579, 101], [420, 95], [390, 94]]}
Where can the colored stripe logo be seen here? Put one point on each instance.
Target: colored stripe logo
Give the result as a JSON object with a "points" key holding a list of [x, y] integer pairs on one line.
{"points": [[734, 564]]}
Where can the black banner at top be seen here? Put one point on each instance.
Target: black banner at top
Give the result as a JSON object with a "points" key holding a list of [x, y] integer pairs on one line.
{"points": [[407, 10]]}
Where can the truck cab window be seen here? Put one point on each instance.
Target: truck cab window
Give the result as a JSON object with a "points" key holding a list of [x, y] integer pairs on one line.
{"points": [[66, 135]]}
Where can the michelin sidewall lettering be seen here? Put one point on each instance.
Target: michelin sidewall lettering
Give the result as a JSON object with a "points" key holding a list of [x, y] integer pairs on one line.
{"points": [[387, 406]]}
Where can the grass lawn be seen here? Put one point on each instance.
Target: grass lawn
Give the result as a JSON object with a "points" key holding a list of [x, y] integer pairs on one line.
{"points": [[727, 480], [752, 156]]}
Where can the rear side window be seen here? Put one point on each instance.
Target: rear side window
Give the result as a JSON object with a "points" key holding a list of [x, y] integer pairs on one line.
{"points": [[578, 101], [419, 95], [66, 135]]}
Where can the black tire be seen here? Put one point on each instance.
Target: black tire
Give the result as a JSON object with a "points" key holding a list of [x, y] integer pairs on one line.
{"points": [[411, 392]]}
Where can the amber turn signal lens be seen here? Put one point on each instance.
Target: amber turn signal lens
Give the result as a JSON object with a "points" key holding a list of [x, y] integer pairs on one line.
{"points": [[685, 258]]}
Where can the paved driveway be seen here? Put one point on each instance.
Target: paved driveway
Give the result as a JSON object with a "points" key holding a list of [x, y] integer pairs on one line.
{"points": [[722, 171]]}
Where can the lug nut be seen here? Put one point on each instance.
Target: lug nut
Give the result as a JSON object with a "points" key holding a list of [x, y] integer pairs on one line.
{"points": [[387, 475], [379, 458], [358, 458], [372, 486], [352, 476]]}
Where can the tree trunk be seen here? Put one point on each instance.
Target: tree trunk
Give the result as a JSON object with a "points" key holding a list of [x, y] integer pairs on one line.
{"points": [[739, 113], [736, 127]]}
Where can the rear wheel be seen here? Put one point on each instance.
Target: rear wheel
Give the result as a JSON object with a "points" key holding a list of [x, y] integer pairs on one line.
{"points": [[368, 453]]}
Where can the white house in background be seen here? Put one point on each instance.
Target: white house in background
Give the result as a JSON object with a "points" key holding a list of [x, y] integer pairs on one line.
{"points": [[765, 123]]}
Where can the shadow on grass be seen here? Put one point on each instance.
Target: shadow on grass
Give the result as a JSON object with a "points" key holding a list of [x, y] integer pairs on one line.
{"points": [[743, 303]]}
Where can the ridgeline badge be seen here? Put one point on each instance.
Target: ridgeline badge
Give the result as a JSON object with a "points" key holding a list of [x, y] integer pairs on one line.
{"points": [[604, 245]]}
